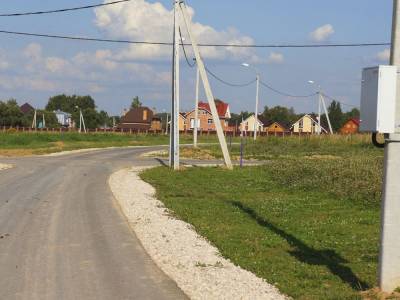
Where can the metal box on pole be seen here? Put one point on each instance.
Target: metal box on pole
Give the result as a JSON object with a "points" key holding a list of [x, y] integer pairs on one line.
{"points": [[378, 99]]}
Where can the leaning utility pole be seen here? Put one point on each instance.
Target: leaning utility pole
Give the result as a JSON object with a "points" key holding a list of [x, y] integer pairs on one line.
{"points": [[322, 99], [34, 121], [196, 109], [389, 259], [174, 138], [206, 84]]}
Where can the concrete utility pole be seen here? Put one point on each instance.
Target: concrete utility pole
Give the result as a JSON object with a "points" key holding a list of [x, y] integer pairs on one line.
{"points": [[207, 87], [34, 122], [196, 109], [389, 260], [174, 138], [319, 112], [43, 121], [326, 113], [256, 110]]}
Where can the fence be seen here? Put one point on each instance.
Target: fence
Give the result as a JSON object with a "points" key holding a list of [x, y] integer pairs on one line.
{"points": [[143, 131]]}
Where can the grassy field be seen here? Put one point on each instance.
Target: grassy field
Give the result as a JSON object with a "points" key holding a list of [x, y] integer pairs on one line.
{"points": [[19, 144], [308, 221]]}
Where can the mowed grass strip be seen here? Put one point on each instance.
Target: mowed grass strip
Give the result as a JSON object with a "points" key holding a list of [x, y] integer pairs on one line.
{"points": [[310, 226], [28, 143]]}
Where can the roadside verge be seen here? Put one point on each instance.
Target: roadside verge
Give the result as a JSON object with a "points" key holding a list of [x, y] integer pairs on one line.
{"points": [[5, 166], [193, 263]]}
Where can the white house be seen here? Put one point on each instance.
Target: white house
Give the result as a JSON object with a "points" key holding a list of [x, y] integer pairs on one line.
{"points": [[64, 119], [248, 124]]}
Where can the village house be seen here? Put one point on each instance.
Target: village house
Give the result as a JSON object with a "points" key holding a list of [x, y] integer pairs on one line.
{"points": [[205, 119], [26, 108], [64, 118], [248, 124], [350, 127], [307, 124], [274, 127], [139, 118]]}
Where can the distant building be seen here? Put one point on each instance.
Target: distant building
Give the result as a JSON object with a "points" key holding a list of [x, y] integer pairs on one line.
{"points": [[205, 118], [248, 124], [274, 127], [139, 118], [352, 126], [156, 124], [26, 108], [307, 124], [64, 118]]}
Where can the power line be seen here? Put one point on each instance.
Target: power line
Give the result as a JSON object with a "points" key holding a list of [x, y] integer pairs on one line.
{"points": [[226, 82], [61, 10], [191, 65], [333, 99], [284, 93], [90, 39]]}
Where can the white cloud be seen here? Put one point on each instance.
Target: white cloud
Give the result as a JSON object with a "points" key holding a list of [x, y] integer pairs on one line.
{"points": [[33, 51], [4, 63], [55, 64], [12, 82], [275, 58], [322, 33], [143, 21], [384, 55]]}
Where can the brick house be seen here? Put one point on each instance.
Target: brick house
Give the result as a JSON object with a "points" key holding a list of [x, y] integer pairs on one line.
{"points": [[350, 127], [26, 108], [205, 119], [139, 118]]}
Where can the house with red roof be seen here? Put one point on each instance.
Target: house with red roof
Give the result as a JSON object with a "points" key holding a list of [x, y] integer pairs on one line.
{"points": [[352, 126], [205, 119]]}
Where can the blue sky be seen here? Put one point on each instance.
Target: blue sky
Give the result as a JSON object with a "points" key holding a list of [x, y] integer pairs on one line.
{"points": [[33, 69]]}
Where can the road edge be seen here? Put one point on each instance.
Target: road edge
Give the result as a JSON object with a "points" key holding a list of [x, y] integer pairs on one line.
{"points": [[4, 167], [193, 263]]}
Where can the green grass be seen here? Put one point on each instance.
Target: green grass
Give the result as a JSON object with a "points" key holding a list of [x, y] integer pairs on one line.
{"points": [[43, 142], [308, 221]]}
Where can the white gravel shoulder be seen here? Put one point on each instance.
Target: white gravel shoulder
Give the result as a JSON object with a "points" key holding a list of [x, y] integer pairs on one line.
{"points": [[88, 150], [193, 263], [5, 166]]}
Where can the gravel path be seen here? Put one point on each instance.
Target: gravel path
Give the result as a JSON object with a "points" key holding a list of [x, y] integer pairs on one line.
{"points": [[195, 265]]}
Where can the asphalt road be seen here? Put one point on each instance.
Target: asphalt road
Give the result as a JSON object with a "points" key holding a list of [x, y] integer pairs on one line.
{"points": [[62, 235]]}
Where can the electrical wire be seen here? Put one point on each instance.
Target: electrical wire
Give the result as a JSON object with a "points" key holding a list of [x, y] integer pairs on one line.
{"points": [[62, 10], [284, 93], [90, 39], [191, 65], [226, 82], [333, 99]]}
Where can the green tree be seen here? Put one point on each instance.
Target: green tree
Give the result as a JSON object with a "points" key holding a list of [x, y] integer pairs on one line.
{"points": [[136, 102], [283, 115], [10, 113], [336, 115], [72, 104], [353, 114]]}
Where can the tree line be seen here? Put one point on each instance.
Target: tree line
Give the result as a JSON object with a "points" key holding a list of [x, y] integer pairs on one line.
{"points": [[11, 114]]}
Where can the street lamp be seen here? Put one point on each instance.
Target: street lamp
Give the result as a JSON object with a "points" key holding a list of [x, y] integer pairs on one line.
{"points": [[257, 96]]}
